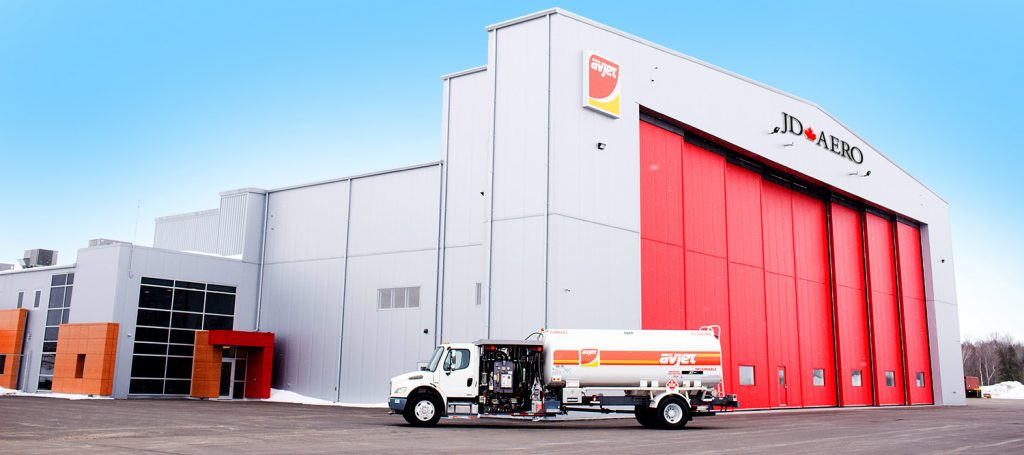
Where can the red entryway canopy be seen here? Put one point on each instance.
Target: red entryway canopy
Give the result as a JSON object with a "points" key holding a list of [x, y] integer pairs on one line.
{"points": [[208, 356]]}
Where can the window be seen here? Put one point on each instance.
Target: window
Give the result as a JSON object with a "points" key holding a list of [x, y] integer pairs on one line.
{"points": [[58, 311], [80, 367], [818, 377], [398, 298], [38, 295], [855, 378], [457, 360], [890, 379], [383, 299], [21, 298], [435, 359], [920, 379], [3, 363], [479, 294], [169, 314], [746, 375]]}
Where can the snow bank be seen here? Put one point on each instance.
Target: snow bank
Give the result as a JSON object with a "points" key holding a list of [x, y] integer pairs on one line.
{"points": [[287, 396], [4, 392], [1009, 389]]}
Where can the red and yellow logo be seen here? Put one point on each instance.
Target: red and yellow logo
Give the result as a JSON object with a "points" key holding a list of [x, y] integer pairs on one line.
{"points": [[602, 84], [590, 357]]}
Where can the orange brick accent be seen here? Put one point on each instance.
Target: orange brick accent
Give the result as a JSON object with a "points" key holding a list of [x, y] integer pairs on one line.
{"points": [[206, 367], [98, 341], [12, 333]]}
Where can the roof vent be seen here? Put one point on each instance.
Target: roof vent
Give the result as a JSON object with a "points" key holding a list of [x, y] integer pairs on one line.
{"points": [[38, 258]]}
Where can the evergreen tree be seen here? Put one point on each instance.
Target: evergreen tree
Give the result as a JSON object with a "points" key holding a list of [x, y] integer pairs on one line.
{"points": [[1010, 363]]}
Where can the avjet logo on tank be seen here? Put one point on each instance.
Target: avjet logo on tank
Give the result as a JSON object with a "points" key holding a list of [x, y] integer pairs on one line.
{"points": [[828, 142]]}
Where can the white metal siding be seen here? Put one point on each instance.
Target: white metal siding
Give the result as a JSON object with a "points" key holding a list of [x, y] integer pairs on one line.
{"points": [[188, 232], [231, 224], [380, 344], [307, 223], [302, 306]]}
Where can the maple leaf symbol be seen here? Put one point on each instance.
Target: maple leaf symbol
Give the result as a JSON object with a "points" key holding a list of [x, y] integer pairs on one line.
{"points": [[810, 134]]}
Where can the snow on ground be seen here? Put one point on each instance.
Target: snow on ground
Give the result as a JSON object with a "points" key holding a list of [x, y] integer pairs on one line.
{"points": [[67, 396], [287, 396], [1009, 389]]}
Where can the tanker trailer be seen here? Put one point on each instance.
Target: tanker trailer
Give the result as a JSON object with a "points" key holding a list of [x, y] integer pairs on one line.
{"points": [[663, 377]]}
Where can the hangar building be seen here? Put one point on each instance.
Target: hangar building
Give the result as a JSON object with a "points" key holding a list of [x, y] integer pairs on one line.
{"points": [[588, 179]]}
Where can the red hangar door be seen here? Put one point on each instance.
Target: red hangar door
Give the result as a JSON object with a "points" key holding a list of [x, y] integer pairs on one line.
{"points": [[820, 303]]}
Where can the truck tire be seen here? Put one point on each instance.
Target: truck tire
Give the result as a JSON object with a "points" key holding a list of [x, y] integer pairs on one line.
{"points": [[672, 413], [646, 416], [422, 410]]}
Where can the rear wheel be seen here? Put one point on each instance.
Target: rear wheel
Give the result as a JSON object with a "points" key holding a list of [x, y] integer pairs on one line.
{"points": [[672, 413], [646, 416], [422, 410]]}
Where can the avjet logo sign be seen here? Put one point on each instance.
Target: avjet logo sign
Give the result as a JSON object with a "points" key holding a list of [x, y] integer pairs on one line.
{"points": [[678, 358], [601, 84], [590, 357], [828, 142]]}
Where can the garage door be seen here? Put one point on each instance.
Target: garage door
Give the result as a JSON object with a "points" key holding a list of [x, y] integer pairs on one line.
{"points": [[723, 242]]}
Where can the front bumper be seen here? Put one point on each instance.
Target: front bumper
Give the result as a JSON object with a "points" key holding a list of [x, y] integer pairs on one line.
{"points": [[397, 404]]}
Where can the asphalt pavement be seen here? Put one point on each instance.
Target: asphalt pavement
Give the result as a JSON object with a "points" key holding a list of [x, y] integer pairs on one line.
{"points": [[50, 425]]}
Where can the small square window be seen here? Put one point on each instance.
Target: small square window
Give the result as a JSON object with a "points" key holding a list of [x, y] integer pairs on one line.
{"points": [[479, 294], [383, 299], [412, 297], [890, 379], [920, 379], [818, 377], [746, 375], [398, 298], [855, 378]]}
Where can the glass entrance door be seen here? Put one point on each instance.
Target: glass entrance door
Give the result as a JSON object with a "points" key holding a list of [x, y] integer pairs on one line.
{"points": [[227, 375]]}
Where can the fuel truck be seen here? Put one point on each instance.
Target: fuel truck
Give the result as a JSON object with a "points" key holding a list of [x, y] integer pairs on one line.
{"points": [[663, 377]]}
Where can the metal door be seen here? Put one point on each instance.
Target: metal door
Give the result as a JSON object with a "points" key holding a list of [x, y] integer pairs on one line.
{"points": [[783, 399], [457, 376]]}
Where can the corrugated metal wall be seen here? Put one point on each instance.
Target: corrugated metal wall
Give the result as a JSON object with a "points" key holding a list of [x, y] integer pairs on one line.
{"points": [[234, 229], [196, 231]]}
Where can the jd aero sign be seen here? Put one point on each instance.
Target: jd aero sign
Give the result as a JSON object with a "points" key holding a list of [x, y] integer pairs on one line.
{"points": [[794, 126]]}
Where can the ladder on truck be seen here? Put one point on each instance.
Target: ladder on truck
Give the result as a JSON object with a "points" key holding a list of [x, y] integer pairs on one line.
{"points": [[717, 331]]}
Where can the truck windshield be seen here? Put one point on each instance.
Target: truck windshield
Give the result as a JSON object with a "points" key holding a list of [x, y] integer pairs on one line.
{"points": [[435, 359]]}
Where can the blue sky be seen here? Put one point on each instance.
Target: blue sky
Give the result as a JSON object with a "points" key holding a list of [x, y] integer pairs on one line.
{"points": [[113, 112]]}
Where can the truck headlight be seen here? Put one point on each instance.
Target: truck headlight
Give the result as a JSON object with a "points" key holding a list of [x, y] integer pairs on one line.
{"points": [[399, 390]]}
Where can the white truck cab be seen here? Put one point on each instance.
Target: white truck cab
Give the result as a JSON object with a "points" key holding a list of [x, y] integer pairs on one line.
{"points": [[452, 373]]}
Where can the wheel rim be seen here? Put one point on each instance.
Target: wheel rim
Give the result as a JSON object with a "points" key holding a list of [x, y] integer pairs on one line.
{"points": [[424, 410], [673, 413]]}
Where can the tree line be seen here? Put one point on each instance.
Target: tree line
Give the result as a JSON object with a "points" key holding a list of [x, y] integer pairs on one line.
{"points": [[994, 359]]}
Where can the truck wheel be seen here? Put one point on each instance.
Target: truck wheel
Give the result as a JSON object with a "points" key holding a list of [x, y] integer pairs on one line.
{"points": [[422, 410], [646, 416], [672, 413]]}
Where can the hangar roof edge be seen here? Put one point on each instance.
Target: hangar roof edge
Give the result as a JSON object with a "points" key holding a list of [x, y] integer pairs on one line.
{"points": [[571, 15]]}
